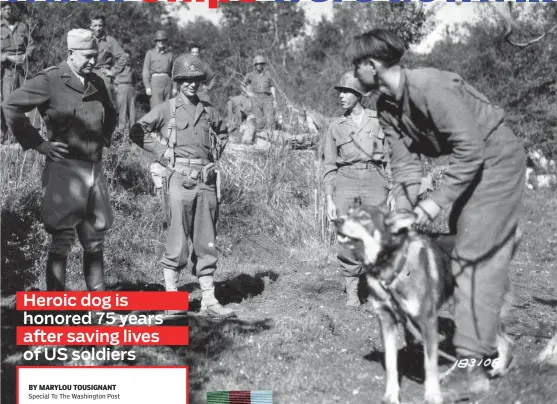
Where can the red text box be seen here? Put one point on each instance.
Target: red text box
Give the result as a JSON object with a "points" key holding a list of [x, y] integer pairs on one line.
{"points": [[139, 335], [102, 301]]}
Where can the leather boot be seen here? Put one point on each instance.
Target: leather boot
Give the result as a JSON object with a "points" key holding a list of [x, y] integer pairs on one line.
{"points": [[171, 278], [93, 269], [56, 272], [351, 284], [210, 306]]}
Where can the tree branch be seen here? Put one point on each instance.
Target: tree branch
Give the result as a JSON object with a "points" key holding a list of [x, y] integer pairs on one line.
{"points": [[510, 23]]}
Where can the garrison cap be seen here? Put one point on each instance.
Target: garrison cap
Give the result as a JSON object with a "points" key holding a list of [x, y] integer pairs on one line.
{"points": [[81, 39]]}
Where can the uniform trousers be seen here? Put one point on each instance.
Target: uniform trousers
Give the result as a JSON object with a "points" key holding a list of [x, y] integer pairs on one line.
{"points": [[366, 187]]}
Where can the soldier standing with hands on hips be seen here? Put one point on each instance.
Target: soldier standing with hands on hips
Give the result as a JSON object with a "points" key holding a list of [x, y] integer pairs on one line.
{"points": [[195, 137], [434, 113], [80, 120]]}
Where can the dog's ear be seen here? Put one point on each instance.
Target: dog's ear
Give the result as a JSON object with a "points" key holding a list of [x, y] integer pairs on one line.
{"points": [[400, 221]]}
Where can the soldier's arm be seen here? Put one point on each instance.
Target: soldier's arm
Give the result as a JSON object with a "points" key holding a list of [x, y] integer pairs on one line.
{"points": [[119, 58], [330, 161], [452, 119], [406, 166], [110, 113], [147, 70], [140, 132], [34, 93]]}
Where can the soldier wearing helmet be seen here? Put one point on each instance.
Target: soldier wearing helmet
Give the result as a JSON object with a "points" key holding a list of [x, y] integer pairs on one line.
{"points": [[157, 68], [355, 167], [195, 136], [260, 87]]}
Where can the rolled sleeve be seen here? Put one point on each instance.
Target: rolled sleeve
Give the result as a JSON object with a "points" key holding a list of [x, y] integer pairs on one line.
{"points": [[140, 132], [406, 167], [453, 120], [330, 165]]}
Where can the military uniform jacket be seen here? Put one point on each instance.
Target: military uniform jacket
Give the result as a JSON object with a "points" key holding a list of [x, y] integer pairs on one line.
{"points": [[156, 62], [260, 83], [16, 42], [436, 113], [82, 117], [347, 143], [111, 55], [193, 137]]}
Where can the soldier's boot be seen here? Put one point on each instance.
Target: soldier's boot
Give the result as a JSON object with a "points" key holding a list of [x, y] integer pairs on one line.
{"points": [[171, 278], [56, 272], [210, 306], [93, 269], [351, 284], [467, 381]]}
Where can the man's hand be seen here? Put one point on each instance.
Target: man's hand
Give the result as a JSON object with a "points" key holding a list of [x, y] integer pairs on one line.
{"points": [[55, 151], [275, 103], [331, 208], [427, 210], [107, 72], [168, 154], [148, 91]]}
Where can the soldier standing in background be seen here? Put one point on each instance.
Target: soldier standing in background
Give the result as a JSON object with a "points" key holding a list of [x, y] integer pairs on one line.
{"points": [[111, 59], [261, 88], [157, 68], [210, 81], [16, 49], [355, 168], [125, 94], [80, 120]]}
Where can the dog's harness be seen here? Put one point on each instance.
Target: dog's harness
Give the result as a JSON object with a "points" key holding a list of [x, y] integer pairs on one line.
{"points": [[388, 287]]}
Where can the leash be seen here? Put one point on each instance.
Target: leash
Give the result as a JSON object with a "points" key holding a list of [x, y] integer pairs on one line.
{"points": [[410, 325]]}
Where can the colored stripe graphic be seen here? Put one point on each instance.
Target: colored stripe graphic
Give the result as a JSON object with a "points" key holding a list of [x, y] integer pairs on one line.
{"points": [[239, 397]]}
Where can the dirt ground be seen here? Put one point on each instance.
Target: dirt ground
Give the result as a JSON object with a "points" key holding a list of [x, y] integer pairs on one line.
{"points": [[294, 336]]}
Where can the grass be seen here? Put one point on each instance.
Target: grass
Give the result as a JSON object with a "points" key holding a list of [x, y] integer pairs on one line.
{"points": [[278, 270]]}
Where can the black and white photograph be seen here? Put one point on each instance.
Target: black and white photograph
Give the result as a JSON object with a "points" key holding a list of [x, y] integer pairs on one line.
{"points": [[359, 198]]}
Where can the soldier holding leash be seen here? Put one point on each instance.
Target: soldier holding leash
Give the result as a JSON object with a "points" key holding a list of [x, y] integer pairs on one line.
{"points": [[195, 138], [354, 167], [433, 112], [80, 119]]}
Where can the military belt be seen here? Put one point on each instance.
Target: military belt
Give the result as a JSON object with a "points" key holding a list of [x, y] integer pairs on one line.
{"points": [[186, 161], [363, 166]]}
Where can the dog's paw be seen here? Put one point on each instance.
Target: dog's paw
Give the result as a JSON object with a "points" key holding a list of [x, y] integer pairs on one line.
{"points": [[390, 399]]}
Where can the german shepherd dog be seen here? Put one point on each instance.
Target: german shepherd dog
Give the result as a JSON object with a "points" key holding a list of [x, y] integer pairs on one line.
{"points": [[410, 279]]}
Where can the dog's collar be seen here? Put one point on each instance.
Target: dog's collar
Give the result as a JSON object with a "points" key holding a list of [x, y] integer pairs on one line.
{"points": [[385, 261]]}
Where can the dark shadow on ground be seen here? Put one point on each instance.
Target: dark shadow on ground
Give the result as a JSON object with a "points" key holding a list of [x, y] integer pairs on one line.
{"points": [[411, 357], [208, 339]]}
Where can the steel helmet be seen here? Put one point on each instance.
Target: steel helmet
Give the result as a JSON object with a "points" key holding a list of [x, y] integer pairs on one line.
{"points": [[351, 82], [187, 66], [161, 36], [259, 59]]}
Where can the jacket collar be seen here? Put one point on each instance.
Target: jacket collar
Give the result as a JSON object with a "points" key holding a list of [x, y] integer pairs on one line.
{"points": [[200, 107], [71, 79], [368, 115]]}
